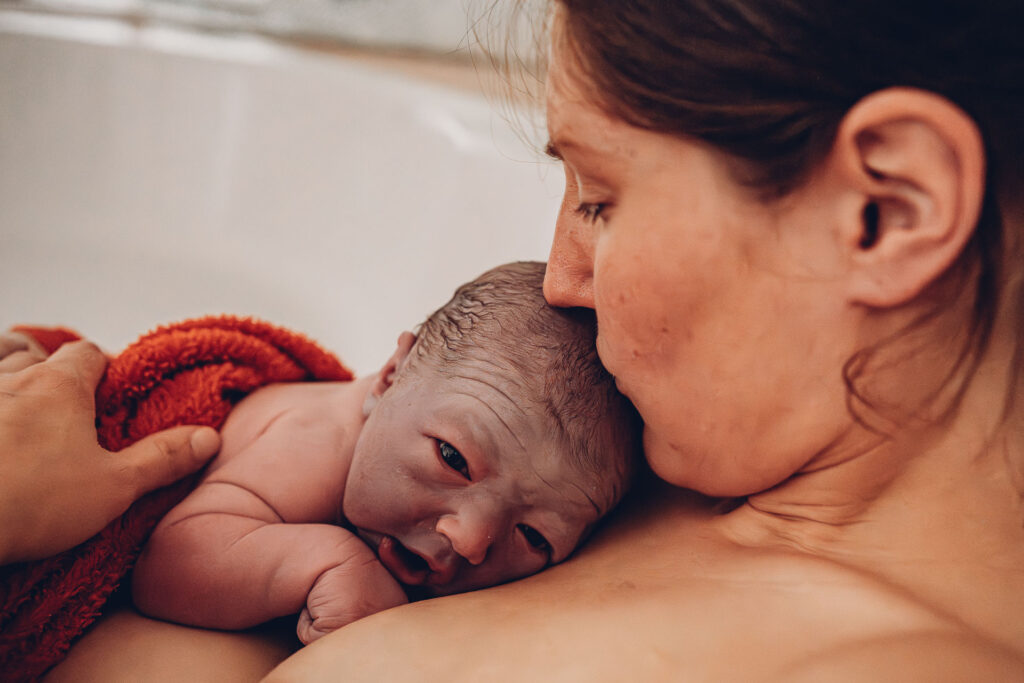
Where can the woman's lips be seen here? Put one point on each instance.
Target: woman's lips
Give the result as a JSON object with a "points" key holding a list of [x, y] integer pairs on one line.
{"points": [[404, 564]]}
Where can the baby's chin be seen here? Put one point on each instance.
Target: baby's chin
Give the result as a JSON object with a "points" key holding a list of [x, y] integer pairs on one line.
{"points": [[415, 593], [426, 590]]}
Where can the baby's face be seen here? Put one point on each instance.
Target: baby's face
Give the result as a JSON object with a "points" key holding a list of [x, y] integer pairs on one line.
{"points": [[460, 483]]}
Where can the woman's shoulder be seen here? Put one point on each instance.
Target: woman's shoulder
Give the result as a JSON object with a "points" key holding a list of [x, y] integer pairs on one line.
{"points": [[659, 594], [915, 657], [125, 646]]}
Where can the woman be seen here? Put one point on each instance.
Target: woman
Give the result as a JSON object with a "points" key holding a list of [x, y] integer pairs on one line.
{"points": [[798, 224]]}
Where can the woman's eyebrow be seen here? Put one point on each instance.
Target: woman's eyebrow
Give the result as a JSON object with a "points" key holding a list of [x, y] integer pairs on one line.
{"points": [[556, 147]]}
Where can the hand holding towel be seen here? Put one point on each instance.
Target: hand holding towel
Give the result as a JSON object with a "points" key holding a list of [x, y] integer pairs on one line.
{"points": [[192, 372]]}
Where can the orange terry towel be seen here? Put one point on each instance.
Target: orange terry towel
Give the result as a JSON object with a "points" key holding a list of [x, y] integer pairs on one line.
{"points": [[192, 372]]}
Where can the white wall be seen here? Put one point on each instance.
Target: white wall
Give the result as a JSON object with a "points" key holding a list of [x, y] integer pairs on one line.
{"points": [[149, 174], [439, 26]]}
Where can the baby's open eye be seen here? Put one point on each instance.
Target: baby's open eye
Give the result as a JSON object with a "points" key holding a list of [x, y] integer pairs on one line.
{"points": [[534, 538], [453, 458]]}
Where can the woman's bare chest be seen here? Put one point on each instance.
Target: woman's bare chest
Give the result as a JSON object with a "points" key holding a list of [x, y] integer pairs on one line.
{"points": [[668, 586]]}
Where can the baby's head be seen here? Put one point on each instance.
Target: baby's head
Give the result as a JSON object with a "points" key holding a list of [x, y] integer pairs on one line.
{"points": [[494, 439]]}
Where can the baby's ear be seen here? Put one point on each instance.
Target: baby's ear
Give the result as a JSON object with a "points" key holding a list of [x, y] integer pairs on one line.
{"points": [[386, 377]]}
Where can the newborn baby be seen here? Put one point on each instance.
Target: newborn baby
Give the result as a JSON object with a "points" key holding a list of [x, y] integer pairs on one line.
{"points": [[485, 450]]}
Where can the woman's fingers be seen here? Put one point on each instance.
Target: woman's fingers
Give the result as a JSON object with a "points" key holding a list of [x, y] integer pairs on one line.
{"points": [[18, 351], [11, 342], [58, 487], [19, 360], [81, 359], [163, 458], [152, 462]]}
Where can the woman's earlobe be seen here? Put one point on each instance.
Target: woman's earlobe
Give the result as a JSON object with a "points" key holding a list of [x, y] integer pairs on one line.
{"points": [[918, 163]]}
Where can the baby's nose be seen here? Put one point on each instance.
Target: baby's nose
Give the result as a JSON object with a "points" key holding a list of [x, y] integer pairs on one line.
{"points": [[471, 534]]}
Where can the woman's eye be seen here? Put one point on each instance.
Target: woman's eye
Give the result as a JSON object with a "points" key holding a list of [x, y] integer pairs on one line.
{"points": [[534, 538], [453, 458], [590, 212]]}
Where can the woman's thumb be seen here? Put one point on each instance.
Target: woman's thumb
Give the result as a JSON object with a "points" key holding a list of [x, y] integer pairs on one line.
{"points": [[163, 458]]}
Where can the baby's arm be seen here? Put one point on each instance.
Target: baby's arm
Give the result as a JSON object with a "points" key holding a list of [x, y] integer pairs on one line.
{"points": [[227, 558]]}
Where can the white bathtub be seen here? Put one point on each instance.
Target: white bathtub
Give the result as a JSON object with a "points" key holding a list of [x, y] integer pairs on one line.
{"points": [[151, 174]]}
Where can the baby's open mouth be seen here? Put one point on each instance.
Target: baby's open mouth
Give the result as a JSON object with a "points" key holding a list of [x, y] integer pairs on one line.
{"points": [[404, 564]]}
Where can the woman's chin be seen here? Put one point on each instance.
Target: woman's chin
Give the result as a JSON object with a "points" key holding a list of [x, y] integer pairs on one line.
{"points": [[668, 460], [708, 469]]}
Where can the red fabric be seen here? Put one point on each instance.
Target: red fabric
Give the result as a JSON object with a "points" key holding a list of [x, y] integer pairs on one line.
{"points": [[51, 338], [188, 373]]}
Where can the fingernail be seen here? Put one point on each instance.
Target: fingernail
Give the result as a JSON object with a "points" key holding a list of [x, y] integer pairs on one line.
{"points": [[205, 442]]}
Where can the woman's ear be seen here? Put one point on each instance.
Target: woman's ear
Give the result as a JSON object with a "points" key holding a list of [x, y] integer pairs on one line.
{"points": [[386, 377], [917, 164]]}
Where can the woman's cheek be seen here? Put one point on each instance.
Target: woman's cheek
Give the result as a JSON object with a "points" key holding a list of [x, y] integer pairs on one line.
{"points": [[618, 309]]}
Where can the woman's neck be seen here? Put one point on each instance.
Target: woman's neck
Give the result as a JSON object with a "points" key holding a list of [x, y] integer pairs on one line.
{"points": [[937, 511]]}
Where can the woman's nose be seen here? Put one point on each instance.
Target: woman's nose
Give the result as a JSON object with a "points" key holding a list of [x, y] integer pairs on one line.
{"points": [[569, 279], [470, 531]]}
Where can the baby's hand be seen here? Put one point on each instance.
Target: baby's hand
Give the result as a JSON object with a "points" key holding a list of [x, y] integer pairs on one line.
{"points": [[346, 593]]}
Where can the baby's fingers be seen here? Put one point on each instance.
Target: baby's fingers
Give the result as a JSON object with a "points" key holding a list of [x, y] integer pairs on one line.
{"points": [[306, 630]]}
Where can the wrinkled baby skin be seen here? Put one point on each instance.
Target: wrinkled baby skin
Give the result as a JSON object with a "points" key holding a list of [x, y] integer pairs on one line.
{"points": [[335, 501], [458, 483]]}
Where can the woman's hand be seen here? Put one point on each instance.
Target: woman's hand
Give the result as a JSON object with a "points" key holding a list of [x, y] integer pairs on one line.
{"points": [[18, 351], [58, 486]]}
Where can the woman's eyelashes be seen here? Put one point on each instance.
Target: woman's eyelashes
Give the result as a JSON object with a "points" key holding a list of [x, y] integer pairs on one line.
{"points": [[452, 458], [590, 212], [534, 538]]}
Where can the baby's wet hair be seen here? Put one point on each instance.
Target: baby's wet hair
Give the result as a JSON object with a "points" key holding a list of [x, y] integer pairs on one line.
{"points": [[502, 317]]}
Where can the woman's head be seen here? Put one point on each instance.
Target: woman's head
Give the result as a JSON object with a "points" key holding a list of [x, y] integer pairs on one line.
{"points": [[768, 177], [769, 81]]}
